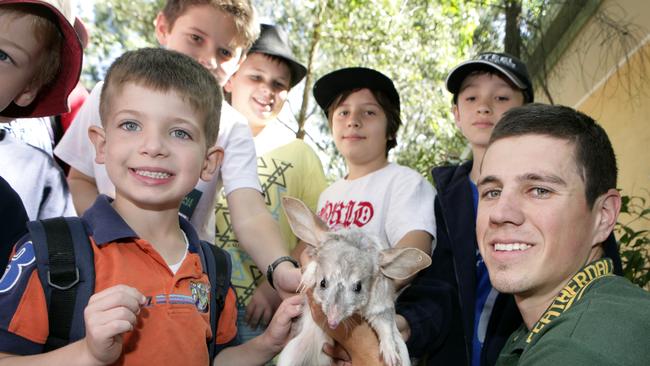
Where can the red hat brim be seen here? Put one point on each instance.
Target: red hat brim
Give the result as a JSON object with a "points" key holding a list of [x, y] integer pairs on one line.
{"points": [[52, 99]]}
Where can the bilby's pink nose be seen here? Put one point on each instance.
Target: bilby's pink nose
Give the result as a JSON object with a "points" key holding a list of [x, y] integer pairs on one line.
{"points": [[333, 317], [332, 324]]}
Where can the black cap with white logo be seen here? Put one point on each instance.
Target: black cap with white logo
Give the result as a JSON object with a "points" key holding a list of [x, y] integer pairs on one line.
{"points": [[509, 66]]}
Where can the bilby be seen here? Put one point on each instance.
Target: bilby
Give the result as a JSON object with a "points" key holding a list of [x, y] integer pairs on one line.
{"points": [[351, 272]]}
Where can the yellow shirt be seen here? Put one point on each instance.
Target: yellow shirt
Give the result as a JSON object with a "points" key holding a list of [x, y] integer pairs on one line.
{"points": [[289, 170]]}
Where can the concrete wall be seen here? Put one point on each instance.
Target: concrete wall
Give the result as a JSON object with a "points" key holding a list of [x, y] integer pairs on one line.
{"points": [[608, 77]]}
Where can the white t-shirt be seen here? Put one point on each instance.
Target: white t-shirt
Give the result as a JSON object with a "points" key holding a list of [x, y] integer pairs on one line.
{"points": [[238, 170], [34, 175], [388, 203], [272, 136]]}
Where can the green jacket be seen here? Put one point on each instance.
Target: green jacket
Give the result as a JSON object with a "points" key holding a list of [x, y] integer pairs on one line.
{"points": [[597, 319]]}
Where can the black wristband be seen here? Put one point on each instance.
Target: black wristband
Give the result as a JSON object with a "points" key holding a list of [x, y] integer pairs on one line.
{"points": [[272, 266]]}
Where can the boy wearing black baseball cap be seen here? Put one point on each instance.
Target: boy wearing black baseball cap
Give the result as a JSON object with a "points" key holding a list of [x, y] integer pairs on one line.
{"points": [[285, 166], [389, 201]]}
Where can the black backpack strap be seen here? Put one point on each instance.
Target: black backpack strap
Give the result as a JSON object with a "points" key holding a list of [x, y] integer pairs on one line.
{"points": [[217, 266], [67, 272]]}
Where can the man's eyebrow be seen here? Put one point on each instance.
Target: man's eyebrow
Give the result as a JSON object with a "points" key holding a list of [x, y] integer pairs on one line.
{"points": [[487, 180], [535, 177], [547, 178]]}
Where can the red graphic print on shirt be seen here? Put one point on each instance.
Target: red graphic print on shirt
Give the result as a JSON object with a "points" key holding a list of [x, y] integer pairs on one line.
{"points": [[344, 214]]}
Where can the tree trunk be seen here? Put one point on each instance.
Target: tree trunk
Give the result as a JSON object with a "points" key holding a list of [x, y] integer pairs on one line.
{"points": [[302, 115], [512, 42]]}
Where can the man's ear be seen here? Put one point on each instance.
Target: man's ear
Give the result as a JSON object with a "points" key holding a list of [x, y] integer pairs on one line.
{"points": [[212, 162], [97, 136], [607, 207], [162, 29]]}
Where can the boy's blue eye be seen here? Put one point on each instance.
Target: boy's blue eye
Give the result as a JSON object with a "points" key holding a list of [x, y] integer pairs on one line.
{"points": [[4, 57], [225, 53], [181, 134], [130, 126], [196, 38]]}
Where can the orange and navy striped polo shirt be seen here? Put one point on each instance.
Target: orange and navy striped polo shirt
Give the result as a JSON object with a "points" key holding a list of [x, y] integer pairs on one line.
{"points": [[173, 326]]}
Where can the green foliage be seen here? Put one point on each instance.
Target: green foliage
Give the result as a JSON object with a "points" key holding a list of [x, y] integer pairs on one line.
{"points": [[117, 26], [634, 243]]}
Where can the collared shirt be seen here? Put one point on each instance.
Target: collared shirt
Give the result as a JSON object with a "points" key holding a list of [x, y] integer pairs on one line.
{"points": [[173, 325], [597, 319]]}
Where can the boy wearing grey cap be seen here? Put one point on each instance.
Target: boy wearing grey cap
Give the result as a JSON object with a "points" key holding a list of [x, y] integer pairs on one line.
{"points": [[286, 166], [454, 315]]}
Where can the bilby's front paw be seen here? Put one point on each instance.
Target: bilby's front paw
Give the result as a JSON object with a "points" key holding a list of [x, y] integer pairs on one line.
{"points": [[389, 352]]}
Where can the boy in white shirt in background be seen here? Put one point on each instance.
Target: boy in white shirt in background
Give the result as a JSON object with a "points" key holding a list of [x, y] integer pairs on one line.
{"points": [[286, 166]]}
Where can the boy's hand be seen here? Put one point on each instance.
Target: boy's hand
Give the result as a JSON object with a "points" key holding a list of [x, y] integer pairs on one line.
{"points": [[340, 357], [108, 315], [262, 306], [277, 334], [286, 279], [354, 339]]}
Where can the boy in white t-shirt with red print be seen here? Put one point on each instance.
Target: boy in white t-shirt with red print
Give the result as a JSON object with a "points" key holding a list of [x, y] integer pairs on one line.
{"points": [[388, 200]]}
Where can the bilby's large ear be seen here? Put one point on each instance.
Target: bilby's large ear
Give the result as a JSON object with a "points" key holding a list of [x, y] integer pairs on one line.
{"points": [[304, 223], [402, 263]]}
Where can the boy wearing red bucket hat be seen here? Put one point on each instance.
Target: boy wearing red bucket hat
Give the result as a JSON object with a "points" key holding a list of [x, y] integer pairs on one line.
{"points": [[41, 57], [40, 63]]}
